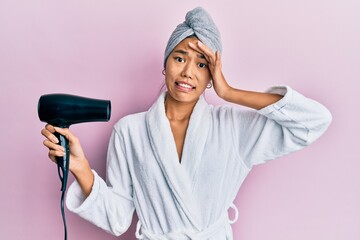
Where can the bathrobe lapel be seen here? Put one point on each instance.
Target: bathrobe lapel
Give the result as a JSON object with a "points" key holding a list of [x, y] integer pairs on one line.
{"points": [[180, 177], [196, 136]]}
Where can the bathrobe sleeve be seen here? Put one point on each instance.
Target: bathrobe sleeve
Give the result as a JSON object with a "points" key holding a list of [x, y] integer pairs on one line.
{"points": [[288, 125], [110, 204]]}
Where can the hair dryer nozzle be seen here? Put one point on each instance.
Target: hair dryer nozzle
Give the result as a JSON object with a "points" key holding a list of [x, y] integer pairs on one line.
{"points": [[64, 110]]}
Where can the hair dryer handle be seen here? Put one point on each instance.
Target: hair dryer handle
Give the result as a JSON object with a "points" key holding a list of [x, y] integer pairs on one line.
{"points": [[63, 162]]}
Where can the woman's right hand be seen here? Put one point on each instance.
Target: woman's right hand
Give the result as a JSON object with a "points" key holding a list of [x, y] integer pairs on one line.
{"points": [[79, 165]]}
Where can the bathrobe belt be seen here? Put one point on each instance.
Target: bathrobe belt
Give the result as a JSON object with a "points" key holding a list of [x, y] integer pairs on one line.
{"points": [[207, 233]]}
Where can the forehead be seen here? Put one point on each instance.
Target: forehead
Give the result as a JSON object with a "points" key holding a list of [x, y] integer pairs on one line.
{"points": [[184, 48]]}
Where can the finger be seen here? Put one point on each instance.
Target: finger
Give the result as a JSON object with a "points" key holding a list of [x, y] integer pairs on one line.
{"points": [[67, 134], [50, 128], [196, 48], [204, 48], [53, 146], [54, 153], [49, 135], [52, 158], [207, 52], [218, 59]]}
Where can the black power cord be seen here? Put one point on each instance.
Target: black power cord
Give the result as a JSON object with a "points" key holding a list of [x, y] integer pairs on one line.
{"points": [[63, 172], [63, 213]]}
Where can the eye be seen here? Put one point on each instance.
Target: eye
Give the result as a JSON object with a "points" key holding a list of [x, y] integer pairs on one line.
{"points": [[202, 65], [179, 59]]}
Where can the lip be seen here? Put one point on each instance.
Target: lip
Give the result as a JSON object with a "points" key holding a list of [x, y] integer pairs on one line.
{"points": [[184, 89]]}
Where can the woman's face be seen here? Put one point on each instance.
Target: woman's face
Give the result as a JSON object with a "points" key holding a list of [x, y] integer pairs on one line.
{"points": [[187, 73]]}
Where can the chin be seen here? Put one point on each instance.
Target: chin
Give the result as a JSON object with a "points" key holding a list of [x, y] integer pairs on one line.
{"points": [[183, 97]]}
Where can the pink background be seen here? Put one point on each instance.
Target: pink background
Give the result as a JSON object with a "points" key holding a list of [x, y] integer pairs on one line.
{"points": [[114, 50]]}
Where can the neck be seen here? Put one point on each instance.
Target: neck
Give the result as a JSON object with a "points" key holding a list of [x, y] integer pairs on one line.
{"points": [[178, 111]]}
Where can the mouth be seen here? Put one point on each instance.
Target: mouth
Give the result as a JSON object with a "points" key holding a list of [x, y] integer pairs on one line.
{"points": [[184, 86]]}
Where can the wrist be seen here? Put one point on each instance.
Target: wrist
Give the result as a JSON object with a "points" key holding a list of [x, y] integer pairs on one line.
{"points": [[80, 168], [78, 165], [225, 94], [85, 177]]}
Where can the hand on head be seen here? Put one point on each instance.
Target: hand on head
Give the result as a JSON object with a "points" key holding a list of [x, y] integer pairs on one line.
{"points": [[215, 66]]}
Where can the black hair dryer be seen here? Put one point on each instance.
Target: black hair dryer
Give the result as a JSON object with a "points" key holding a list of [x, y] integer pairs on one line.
{"points": [[63, 110]]}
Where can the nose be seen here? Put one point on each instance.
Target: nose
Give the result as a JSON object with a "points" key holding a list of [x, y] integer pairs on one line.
{"points": [[188, 71]]}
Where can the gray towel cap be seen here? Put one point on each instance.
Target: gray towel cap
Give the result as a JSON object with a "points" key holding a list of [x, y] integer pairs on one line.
{"points": [[199, 23]]}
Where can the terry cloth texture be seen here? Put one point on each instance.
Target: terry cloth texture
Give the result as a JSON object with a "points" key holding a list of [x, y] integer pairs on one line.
{"points": [[199, 23], [190, 199]]}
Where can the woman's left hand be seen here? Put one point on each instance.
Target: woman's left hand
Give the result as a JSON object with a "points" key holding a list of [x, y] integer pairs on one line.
{"points": [[250, 99], [220, 84]]}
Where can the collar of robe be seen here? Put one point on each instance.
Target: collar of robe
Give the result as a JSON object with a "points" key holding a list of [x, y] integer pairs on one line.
{"points": [[181, 177]]}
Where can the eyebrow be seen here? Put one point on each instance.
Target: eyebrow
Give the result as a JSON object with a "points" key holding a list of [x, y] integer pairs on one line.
{"points": [[186, 53]]}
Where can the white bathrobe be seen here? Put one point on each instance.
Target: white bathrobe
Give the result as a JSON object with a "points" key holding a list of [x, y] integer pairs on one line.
{"points": [[189, 200]]}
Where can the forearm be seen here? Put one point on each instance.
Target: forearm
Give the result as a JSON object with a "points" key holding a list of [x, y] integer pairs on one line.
{"points": [[256, 100], [85, 177], [291, 123]]}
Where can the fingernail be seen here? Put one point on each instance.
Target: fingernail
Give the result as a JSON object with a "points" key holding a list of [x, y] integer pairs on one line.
{"points": [[55, 140], [200, 43]]}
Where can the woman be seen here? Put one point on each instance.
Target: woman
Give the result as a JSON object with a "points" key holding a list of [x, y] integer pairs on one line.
{"points": [[181, 163]]}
